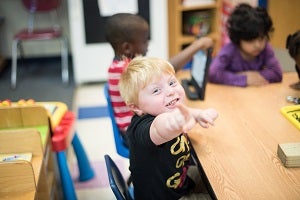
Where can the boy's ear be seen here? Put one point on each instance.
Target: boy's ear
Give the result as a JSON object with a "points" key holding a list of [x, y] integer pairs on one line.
{"points": [[136, 109], [127, 48]]}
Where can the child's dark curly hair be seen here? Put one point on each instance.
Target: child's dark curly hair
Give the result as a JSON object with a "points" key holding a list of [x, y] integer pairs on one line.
{"points": [[248, 23], [293, 44]]}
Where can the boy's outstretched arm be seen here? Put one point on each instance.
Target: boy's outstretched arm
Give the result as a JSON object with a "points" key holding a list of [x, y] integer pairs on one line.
{"points": [[167, 126]]}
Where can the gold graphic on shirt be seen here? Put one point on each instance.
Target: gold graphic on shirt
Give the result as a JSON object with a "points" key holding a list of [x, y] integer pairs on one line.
{"points": [[181, 160], [174, 181], [180, 146]]}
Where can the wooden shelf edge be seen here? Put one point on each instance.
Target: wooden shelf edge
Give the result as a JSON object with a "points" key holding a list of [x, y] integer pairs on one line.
{"points": [[198, 7]]}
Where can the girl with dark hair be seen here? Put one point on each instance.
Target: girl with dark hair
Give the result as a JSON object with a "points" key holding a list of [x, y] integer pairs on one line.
{"points": [[248, 60]]}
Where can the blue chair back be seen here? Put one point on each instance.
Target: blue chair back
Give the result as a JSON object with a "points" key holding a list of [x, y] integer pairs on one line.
{"points": [[116, 180], [121, 148]]}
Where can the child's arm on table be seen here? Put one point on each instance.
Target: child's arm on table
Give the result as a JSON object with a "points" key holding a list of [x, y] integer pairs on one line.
{"points": [[254, 78], [186, 55]]}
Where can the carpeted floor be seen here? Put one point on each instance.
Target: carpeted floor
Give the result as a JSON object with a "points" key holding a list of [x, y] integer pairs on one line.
{"points": [[38, 79]]}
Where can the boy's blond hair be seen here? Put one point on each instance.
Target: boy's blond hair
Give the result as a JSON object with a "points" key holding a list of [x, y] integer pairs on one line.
{"points": [[140, 72]]}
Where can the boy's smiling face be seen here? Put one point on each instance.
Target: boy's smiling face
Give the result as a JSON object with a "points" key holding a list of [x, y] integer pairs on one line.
{"points": [[161, 95]]}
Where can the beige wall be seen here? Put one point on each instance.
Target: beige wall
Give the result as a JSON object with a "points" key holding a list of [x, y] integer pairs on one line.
{"points": [[285, 17]]}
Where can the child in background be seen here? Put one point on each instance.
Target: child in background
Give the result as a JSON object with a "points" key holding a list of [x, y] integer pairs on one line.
{"points": [[128, 35], [293, 46], [160, 154], [248, 60]]}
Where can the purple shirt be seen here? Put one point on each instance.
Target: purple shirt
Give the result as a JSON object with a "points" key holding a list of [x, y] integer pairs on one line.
{"points": [[229, 62]]}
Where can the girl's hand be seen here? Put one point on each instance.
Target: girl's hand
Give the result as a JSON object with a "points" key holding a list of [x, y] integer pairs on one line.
{"points": [[254, 78], [295, 86]]}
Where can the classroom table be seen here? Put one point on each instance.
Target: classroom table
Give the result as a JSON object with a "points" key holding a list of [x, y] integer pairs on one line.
{"points": [[238, 155]]}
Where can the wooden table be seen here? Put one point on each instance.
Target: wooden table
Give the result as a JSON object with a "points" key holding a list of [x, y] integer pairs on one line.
{"points": [[239, 154]]}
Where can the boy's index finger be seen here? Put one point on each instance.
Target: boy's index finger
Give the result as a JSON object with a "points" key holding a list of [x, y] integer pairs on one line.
{"points": [[183, 109], [189, 121]]}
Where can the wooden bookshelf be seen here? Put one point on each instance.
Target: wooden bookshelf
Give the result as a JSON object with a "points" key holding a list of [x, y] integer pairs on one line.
{"points": [[177, 39]]}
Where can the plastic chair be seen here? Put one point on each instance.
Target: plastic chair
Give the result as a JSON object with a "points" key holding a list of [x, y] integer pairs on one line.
{"points": [[33, 33], [121, 148], [63, 135], [116, 181]]}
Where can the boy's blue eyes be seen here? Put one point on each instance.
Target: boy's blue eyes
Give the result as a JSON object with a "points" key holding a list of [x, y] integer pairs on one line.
{"points": [[171, 83], [155, 91]]}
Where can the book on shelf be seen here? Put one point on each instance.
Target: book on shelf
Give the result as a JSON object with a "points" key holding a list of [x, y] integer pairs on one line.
{"points": [[6, 157], [197, 23], [196, 2]]}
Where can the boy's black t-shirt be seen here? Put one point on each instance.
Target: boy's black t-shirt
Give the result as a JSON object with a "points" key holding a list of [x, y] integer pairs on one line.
{"points": [[158, 172]]}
